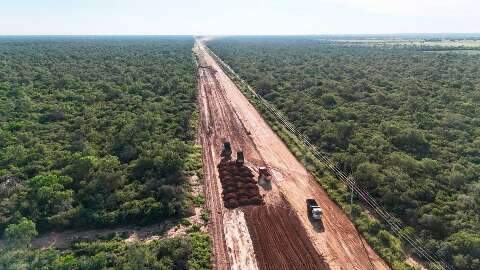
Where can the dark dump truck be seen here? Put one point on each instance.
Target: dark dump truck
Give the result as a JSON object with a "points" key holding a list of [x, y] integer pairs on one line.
{"points": [[314, 210], [226, 151], [240, 159]]}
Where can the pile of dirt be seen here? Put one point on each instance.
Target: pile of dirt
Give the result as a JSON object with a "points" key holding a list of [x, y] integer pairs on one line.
{"points": [[239, 186]]}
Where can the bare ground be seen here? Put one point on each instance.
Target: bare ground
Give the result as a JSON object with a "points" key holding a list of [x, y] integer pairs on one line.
{"points": [[280, 240]]}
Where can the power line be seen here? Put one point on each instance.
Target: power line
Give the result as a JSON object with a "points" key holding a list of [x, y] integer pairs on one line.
{"points": [[395, 224]]}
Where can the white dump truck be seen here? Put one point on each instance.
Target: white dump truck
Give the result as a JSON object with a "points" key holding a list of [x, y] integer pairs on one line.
{"points": [[314, 210]]}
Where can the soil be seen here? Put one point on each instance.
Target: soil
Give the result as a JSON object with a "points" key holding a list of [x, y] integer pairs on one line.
{"points": [[64, 239], [232, 246], [239, 242], [279, 239]]}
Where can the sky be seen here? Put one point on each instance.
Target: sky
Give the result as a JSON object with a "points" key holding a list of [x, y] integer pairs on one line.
{"points": [[237, 17]]}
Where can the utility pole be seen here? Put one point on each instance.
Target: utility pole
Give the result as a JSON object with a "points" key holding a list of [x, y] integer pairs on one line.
{"points": [[351, 197], [351, 192]]}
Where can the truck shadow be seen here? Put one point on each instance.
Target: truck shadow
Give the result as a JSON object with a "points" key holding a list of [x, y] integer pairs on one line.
{"points": [[317, 224]]}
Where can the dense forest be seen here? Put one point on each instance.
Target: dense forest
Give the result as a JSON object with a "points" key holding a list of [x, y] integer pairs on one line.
{"points": [[404, 122], [94, 133]]}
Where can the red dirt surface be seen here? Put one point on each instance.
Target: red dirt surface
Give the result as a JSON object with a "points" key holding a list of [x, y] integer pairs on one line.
{"points": [[279, 239], [232, 246], [212, 189], [227, 115]]}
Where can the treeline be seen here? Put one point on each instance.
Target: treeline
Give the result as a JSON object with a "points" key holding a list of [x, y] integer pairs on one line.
{"points": [[191, 251], [95, 132], [405, 123]]}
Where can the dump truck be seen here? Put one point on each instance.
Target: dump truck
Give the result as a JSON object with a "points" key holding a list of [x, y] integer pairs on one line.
{"points": [[263, 174], [314, 210], [226, 151], [240, 158]]}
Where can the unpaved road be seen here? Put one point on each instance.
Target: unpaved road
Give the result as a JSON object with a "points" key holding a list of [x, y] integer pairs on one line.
{"points": [[226, 114], [232, 244], [64, 239], [280, 240]]}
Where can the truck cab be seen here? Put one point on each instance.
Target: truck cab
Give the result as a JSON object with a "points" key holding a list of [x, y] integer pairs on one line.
{"points": [[226, 151], [314, 210], [263, 174], [240, 158]]}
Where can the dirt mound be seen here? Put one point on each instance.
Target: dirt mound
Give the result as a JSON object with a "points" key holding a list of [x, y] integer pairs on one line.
{"points": [[279, 240], [239, 187]]}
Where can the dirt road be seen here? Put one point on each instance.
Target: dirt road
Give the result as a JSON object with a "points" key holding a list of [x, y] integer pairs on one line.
{"points": [[280, 240], [226, 114], [232, 245]]}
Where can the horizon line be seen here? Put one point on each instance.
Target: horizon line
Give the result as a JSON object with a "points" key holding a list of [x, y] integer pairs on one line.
{"points": [[287, 34]]}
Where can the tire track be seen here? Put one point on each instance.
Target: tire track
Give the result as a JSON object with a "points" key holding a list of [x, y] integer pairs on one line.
{"points": [[280, 241], [213, 200]]}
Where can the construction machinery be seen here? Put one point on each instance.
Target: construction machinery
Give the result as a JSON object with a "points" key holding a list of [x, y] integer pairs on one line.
{"points": [[226, 151], [240, 158], [314, 210], [263, 175], [208, 67]]}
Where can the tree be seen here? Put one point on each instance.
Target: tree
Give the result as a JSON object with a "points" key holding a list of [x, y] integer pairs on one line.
{"points": [[20, 235], [329, 100], [48, 197], [368, 174], [412, 141]]}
